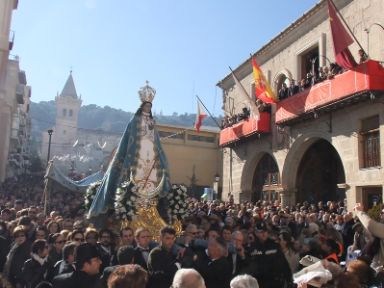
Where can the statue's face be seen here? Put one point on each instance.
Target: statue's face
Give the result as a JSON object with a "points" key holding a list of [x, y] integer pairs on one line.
{"points": [[147, 107]]}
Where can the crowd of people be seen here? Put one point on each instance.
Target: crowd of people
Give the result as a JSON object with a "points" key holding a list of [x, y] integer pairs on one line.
{"points": [[222, 244], [314, 77], [323, 73], [229, 121]]}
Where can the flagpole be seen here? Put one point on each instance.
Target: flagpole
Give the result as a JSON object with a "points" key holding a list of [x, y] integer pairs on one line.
{"points": [[242, 87], [210, 115], [345, 23]]}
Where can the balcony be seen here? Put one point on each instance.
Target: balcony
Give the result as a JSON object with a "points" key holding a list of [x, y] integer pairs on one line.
{"points": [[368, 76], [11, 40], [245, 129], [20, 93]]}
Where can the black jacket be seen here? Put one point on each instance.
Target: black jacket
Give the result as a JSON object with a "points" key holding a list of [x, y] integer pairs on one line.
{"points": [[162, 267], [139, 259], [218, 274], [33, 273], [268, 265], [15, 262], [4, 249], [61, 267], [76, 279], [240, 263]]}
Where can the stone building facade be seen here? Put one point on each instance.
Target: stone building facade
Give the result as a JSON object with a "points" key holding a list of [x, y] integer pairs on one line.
{"points": [[332, 152], [15, 122]]}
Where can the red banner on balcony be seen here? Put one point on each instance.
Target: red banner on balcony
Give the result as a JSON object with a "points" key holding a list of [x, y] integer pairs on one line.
{"points": [[341, 39], [368, 76], [245, 128]]}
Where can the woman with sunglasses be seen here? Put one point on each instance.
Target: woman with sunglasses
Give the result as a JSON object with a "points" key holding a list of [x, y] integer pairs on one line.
{"points": [[19, 253], [36, 268], [56, 242]]}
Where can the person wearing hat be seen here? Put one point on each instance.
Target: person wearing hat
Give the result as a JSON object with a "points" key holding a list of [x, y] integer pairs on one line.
{"points": [[267, 262], [87, 269]]}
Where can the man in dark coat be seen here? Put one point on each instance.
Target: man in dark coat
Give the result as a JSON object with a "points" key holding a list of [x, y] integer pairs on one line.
{"points": [[213, 265], [143, 239], [236, 253], [87, 269], [267, 262], [67, 264], [162, 263], [124, 256], [105, 248]]}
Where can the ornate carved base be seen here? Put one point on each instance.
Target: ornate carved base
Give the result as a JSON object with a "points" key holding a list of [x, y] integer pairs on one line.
{"points": [[149, 218]]}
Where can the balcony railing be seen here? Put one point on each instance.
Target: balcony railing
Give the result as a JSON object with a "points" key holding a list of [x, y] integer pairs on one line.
{"points": [[368, 76], [11, 39], [245, 128]]}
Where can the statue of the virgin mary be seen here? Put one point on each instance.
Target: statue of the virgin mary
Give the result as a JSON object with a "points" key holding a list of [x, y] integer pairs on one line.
{"points": [[136, 182]]}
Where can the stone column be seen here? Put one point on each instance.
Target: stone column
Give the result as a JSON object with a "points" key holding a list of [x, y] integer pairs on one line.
{"points": [[322, 51], [288, 197]]}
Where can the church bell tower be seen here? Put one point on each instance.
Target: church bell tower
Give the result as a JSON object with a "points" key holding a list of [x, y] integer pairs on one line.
{"points": [[67, 111]]}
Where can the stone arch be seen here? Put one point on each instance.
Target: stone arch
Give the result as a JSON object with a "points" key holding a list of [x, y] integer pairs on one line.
{"points": [[283, 76], [294, 159], [248, 174]]}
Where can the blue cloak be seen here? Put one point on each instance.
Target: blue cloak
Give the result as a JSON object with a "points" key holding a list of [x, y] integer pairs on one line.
{"points": [[119, 169]]}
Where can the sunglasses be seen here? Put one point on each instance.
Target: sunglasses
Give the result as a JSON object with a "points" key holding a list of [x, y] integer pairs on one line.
{"points": [[79, 239]]}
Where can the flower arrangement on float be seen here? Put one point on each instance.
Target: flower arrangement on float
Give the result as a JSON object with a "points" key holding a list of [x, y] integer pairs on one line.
{"points": [[178, 201]]}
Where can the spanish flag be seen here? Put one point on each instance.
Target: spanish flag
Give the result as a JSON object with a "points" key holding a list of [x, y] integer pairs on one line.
{"points": [[263, 90], [200, 115]]}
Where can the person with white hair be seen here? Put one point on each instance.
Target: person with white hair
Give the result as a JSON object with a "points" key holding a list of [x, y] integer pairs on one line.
{"points": [[244, 281], [187, 278]]}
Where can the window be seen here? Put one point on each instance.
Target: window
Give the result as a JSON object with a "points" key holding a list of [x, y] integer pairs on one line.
{"points": [[64, 112], [370, 142], [309, 61], [201, 138], [70, 112]]}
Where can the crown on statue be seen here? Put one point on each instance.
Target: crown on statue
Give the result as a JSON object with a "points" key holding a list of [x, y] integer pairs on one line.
{"points": [[147, 93]]}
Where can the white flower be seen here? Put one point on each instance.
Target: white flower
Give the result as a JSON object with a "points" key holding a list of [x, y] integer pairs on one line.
{"points": [[174, 211], [181, 210], [177, 206]]}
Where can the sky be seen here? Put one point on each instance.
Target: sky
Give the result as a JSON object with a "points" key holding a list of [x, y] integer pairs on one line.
{"points": [[183, 48]]}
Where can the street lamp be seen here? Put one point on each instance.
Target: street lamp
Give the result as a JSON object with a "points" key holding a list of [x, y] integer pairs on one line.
{"points": [[50, 131], [367, 30]]}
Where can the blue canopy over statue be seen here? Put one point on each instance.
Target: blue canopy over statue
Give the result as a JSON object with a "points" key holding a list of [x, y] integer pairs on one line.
{"points": [[137, 179]]}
